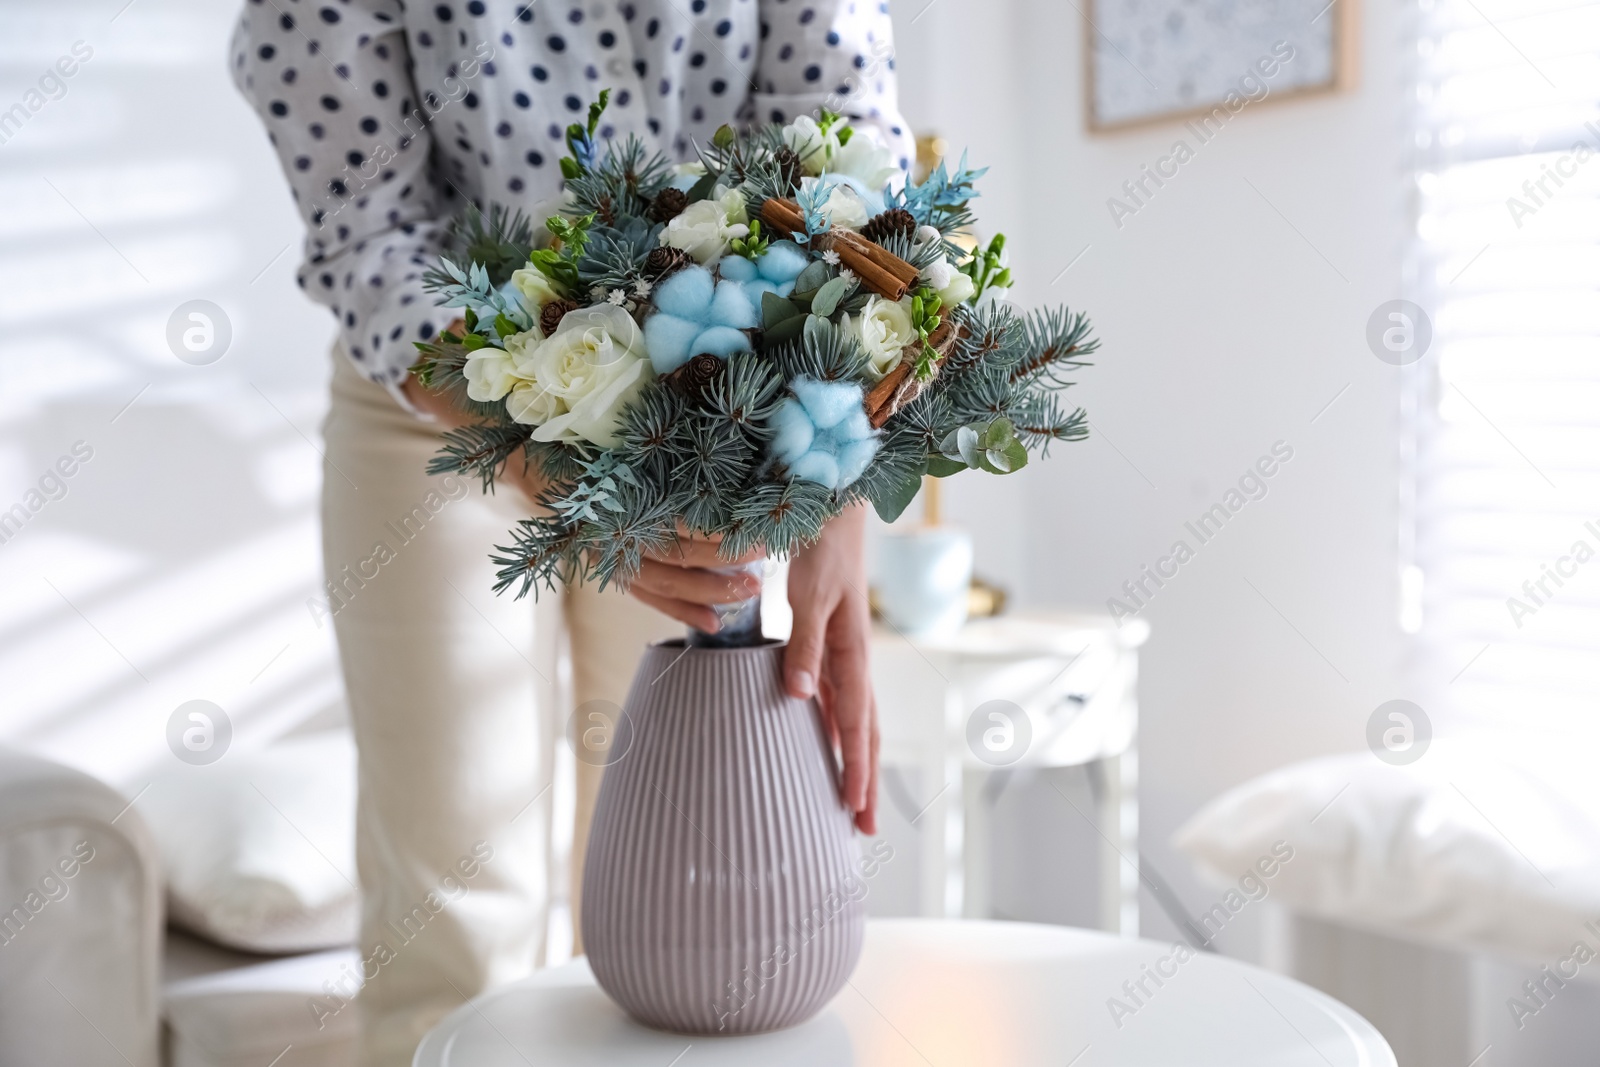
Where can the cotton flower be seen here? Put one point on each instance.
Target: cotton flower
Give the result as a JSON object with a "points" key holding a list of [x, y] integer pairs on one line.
{"points": [[706, 228], [823, 435], [775, 271], [695, 313], [883, 329], [580, 378]]}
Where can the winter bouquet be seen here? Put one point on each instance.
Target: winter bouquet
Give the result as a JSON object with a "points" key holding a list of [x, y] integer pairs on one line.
{"points": [[740, 347]]}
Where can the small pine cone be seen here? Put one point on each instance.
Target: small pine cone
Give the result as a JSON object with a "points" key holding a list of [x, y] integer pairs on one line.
{"points": [[696, 376], [894, 222], [790, 166], [551, 314], [668, 205], [663, 261]]}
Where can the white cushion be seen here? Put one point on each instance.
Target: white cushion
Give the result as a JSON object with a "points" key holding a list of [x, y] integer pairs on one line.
{"points": [[259, 848], [250, 1016], [1471, 847]]}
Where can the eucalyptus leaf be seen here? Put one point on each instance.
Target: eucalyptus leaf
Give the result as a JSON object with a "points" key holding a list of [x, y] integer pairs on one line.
{"points": [[784, 332], [703, 188], [828, 297], [967, 445], [999, 432], [775, 309], [891, 505], [814, 277], [944, 466]]}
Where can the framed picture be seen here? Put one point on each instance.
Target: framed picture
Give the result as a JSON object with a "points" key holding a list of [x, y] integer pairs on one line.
{"points": [[1149, 61]]}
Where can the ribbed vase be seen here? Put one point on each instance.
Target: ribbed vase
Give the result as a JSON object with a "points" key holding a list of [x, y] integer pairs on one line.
{"points": [[721, 892]]}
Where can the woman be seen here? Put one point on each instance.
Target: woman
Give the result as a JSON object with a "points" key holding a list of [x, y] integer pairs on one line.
{"points": [[388, 118]]}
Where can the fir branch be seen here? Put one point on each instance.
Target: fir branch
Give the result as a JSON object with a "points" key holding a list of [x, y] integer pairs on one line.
{"points": [[621, 185], [479, 449], [779, 516], [1057, 340], [499, 243], [823, 351], [746, 395]]}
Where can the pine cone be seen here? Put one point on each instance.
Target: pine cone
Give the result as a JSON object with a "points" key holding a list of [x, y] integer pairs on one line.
{"points": [[668, 205], [696, 376], [790, 166], [551, 314], [663, 261], [894, 222]]}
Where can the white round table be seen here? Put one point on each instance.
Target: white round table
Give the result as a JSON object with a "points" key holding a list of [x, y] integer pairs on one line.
{"points": [[932, 993]]}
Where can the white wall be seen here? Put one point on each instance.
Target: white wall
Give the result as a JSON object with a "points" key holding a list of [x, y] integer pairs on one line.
{"points": [[1224, 330], [177, 565]]}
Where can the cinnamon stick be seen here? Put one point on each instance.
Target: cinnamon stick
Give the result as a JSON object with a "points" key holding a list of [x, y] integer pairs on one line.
{"points": [[880, 270], [899, 387]]}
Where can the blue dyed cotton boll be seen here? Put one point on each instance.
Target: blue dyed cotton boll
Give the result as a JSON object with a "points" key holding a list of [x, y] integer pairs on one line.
{"points": [[774, 272], [695, 313], [822, 434]]}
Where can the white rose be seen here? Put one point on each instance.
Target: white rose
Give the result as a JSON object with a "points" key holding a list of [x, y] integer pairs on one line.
{"points": [[883, 330], [490, 374], [705, 228], [532, 405], [806, 140], [945, 279], [535, 289], [863, 159], [581, 376], [844, 206]]}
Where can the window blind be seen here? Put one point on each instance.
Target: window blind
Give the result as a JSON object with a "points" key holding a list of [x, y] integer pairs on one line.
{"points": [[1500, 543]]}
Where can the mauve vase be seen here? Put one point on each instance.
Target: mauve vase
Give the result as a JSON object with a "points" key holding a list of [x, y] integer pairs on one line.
{"points": [[721, 893]]}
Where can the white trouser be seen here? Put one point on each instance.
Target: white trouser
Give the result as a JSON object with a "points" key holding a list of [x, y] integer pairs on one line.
{"points": [[456, 711]]}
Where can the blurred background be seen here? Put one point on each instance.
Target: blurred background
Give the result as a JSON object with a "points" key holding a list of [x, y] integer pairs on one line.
{"points": [[1234, 305]]}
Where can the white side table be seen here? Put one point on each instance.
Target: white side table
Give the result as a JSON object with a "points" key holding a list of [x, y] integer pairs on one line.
{"points": [[962, 994], [1068, 684]]}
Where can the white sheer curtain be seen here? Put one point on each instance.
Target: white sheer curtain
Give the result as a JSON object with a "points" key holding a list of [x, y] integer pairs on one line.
{"points": [[1503, 446]]}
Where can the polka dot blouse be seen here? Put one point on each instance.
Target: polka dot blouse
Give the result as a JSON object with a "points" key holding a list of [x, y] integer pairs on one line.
{"points": [[388, 116]]}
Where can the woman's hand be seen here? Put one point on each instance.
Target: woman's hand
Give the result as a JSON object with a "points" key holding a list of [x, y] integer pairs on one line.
{"points": [[827, 654], [677, 583]]}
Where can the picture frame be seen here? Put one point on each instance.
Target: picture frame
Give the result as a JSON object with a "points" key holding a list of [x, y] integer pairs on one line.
{"points": [[1204, 48]]}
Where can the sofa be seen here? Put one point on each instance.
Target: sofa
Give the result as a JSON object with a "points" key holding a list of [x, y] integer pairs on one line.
{"points": [[260, 972]]}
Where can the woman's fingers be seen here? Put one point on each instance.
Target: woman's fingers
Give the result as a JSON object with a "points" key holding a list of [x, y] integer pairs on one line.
{"points": [[699, 616], [695, 585], [699, 550]]}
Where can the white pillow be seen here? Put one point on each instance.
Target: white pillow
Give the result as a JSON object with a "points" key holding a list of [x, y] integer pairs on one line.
{"points": [[1467, 848], [259, 848]]}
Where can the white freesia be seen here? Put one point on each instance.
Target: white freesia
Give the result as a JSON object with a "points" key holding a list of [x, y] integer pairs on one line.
{"points": [[944, 278], [865, 160], [490, 373], [883, 330], [581, 376], [535, 289], [706, 228], [816, 149], [844, 206]]}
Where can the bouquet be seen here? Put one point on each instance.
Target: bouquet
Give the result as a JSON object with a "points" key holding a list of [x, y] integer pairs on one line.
{"points": [[740, 347]]}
